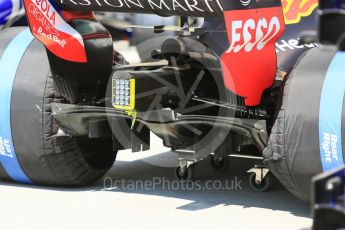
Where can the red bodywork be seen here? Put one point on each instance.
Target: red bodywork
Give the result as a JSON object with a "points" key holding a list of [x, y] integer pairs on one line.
{"points": [[249, 65], [48, 26]]}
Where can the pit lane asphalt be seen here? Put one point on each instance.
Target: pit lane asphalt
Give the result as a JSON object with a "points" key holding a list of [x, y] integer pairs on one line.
{"points": [[115, 203]]}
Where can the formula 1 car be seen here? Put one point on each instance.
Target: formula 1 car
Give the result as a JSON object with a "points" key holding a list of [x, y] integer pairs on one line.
{"points": [[248, 83]]}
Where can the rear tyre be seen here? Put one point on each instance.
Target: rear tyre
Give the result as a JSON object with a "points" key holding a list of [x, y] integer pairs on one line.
{"points": [[293, 151], [45, 154]]}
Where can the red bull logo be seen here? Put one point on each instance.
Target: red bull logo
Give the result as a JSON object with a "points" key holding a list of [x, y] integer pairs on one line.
{"points": [[47, 25], [295, 10]]}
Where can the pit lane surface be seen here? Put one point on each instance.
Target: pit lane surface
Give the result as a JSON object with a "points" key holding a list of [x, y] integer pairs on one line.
{"points": [[116, 202]]}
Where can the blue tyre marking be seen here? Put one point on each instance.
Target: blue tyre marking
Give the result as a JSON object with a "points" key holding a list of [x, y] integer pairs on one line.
{"points": [[9, 63], [331, 107]]}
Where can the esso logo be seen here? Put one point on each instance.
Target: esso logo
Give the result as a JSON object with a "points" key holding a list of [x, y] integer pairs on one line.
{"points": [[250, 34]]}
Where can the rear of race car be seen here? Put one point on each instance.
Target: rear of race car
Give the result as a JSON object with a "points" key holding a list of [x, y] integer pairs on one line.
{"points": [[186, 93], [208, 90], [200, 101]]}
